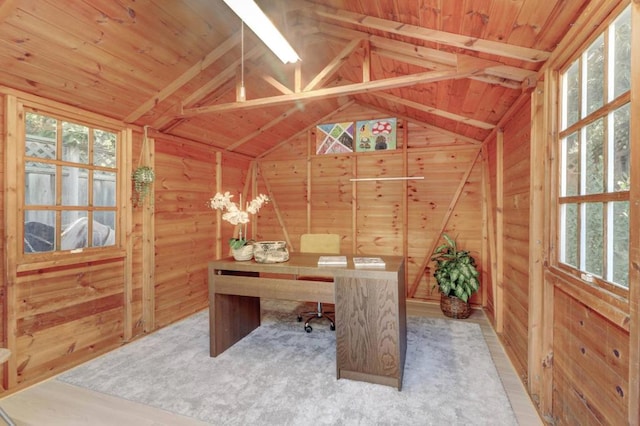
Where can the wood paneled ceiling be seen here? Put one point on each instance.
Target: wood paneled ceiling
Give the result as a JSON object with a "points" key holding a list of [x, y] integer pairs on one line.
{"points": [[456, 66]]}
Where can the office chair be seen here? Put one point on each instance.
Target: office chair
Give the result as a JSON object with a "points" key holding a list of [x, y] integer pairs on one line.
{"points": [[326, 244]]}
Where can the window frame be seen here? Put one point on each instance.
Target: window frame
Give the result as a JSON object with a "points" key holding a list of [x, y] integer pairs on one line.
{"points": [[608, 107], [34, 260]]}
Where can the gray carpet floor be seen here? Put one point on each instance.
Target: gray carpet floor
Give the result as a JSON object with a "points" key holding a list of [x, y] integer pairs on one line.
{"points": [[280, 375]]}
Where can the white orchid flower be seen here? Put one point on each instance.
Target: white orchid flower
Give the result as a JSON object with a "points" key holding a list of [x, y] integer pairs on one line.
{"points": [[255, 204], [233, 214]]}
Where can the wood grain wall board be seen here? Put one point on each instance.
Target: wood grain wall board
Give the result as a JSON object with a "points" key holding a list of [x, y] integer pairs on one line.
{"points": [[515, 347], [289, 194], [189, 246], [178, 295], [515, 216], [182, 251], [517, 233], [518, 273], [50, 351], [3, 254], [46, 292], [184, 299], [603, 339], [40, 322], [193, 168], [295, 148], [137, 327], [584, 348], [165, 314], [569, 409]]}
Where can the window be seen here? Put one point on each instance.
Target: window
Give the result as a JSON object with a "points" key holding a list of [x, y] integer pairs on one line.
{"points": [[70, 181], [594, 151]]}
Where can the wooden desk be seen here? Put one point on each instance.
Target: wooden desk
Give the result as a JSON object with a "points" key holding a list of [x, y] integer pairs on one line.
{"points": [[371, 319]]}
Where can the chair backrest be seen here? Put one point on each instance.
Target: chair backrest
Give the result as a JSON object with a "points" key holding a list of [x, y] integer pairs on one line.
{"points": [[320, 243]]}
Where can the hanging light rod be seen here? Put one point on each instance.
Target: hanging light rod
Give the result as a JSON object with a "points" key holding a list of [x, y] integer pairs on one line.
{"points": [[261, 25]]}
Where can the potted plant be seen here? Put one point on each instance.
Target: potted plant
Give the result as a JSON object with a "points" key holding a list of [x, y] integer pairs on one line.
{"points": [[241, 248], [143, 178], [457, 278]]}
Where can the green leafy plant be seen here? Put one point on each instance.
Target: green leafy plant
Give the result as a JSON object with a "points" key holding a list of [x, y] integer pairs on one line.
{"points": [[143, 178], [238, 243], [455, 270]]}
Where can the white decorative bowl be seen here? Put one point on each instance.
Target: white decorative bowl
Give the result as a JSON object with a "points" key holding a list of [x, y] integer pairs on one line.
{"points": [[243, 253], [270, 251]]}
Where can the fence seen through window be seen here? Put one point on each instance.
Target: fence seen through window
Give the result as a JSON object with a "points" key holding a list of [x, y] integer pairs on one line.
{"points": [[70, 186]]}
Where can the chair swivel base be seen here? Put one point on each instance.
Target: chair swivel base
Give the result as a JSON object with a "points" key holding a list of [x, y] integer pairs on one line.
{"points": [[316, 315]]}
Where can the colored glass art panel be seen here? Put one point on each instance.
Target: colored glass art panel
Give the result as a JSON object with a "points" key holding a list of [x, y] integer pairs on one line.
{"points": [[334, 138], [376, 135]]}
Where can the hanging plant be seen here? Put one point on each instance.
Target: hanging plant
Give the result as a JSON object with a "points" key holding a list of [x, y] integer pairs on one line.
{"points": [[143, 178]]}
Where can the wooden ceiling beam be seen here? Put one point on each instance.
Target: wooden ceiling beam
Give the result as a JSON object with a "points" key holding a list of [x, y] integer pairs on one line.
{"points": [[485, 78], [434, 111], [333, 66], [332, 92], [187, 76], [425, 53], [427, 34], [504, 75], [223, 76], [220, 80], [276, 84]]}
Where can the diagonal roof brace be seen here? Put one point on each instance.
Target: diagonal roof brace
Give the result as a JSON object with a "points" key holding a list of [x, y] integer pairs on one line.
{"points": [[331, 92]]}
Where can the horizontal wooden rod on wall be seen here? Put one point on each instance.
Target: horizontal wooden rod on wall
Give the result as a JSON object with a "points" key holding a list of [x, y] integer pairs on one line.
{"points": [[386, 178]]}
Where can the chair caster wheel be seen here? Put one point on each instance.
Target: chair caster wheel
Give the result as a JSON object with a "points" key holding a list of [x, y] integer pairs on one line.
{"points": [[308, 328], [332, 327], [299, 318]]}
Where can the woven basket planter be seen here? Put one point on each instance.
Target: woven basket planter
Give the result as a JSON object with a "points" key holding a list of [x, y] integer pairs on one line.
{"points": [[453, 307]]}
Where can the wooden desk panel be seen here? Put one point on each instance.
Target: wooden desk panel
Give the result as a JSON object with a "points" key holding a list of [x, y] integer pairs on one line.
{"points": [[371, 334], [371, 340]]}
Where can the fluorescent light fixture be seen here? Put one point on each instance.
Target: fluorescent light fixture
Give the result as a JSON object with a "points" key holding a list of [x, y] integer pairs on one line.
{"points": [[262, 26]]}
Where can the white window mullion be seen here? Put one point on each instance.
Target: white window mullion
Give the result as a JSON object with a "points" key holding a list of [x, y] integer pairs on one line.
{"points": [[610, 153], [608, 227], [583, 160], [583, 86]]}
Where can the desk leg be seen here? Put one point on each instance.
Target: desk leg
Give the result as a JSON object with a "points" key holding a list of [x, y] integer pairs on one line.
{"points": [[230, 318], [370, 330]]}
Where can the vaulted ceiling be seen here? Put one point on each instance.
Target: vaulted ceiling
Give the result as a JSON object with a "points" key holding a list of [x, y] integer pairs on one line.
{"points": [[456, 66]]}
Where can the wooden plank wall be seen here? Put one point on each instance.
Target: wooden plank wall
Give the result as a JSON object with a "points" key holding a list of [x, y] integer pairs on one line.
{"points": [[377, 217], [3, 255], [62, 314], [184, 227], [430, 201], [491, 190], [590, 365], [515, 242], [236, 178], [66, 316]]}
